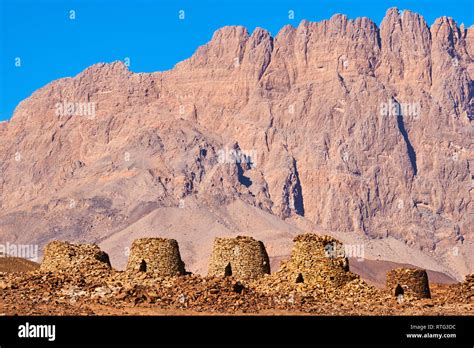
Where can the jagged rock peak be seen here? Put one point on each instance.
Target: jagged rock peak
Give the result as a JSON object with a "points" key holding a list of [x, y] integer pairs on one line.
{"points": [[114, 68], [231, 31], [260, 34]]}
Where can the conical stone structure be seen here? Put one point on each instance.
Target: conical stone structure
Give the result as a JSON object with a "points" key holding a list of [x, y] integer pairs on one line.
{"points": [[408, 282], [160, 256], [241, 257], [317, 260]]}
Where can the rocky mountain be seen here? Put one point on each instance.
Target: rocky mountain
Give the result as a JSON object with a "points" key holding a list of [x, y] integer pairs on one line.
{"points": [[339, 126]]}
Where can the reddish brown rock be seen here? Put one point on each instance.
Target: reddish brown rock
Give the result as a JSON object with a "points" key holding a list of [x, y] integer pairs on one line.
{"points": [[253, 133]]}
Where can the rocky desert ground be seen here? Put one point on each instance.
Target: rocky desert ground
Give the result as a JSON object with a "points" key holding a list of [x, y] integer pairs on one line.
{"points": [[46, 294]]}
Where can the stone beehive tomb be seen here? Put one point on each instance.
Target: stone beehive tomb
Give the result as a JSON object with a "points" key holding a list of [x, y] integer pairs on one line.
{"points": [[408, 282], [156, 255], [241, 257], [64, 256], [317, 260]]}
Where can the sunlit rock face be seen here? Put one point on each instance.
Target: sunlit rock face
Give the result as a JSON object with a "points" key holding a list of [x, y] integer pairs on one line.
{"points": [[339, 126]]}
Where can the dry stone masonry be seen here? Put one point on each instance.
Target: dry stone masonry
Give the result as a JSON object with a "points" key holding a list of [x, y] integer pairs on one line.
{"points": [[241, 257], [317, 260], [408, 282], [64, 256], [156, 255]]}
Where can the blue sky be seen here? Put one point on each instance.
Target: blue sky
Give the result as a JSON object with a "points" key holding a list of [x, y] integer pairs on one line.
{"points": [[149, 32]]}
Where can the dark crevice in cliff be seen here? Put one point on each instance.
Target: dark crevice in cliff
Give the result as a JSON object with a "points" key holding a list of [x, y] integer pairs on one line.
{"points": [[298, 193], [410, 148], [244, 180], [266, 63]]}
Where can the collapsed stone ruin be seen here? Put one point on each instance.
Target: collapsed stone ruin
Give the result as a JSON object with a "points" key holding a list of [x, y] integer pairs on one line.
{"points": [[241, 257], [408, 282], [160, 256], [64, 256], [317, 260]]}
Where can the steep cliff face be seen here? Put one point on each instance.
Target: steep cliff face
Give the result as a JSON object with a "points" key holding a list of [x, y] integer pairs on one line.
{"points": [[337, 126]]}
